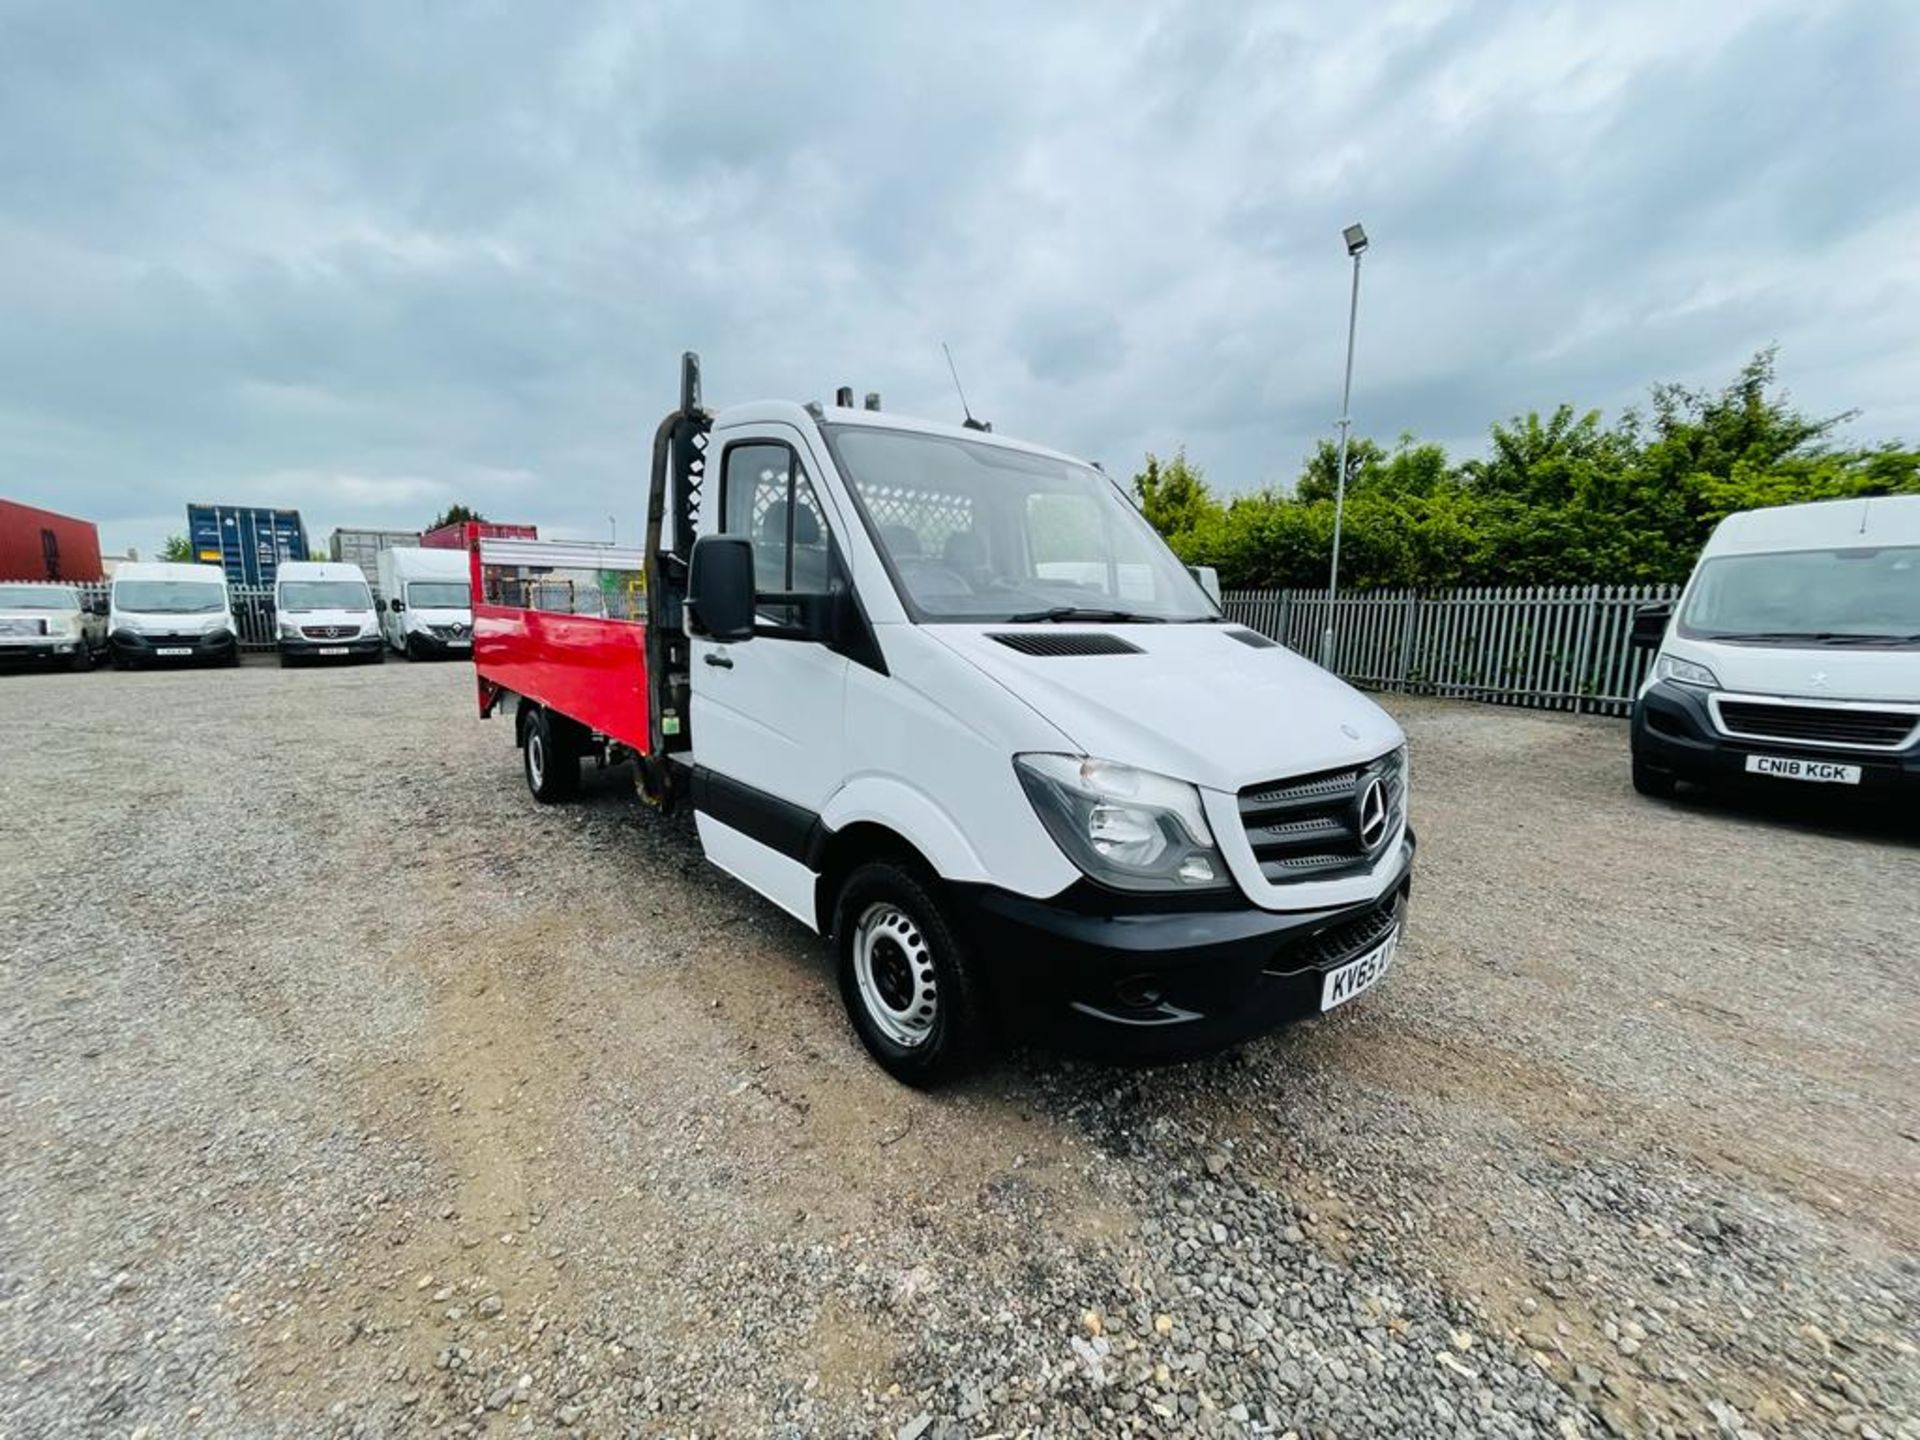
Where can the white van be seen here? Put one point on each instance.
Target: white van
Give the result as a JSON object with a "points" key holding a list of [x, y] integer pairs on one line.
{"points": [[426, 602], [325, 611], [948, 699], [1792, 657], [160, 611], [51, 624]]}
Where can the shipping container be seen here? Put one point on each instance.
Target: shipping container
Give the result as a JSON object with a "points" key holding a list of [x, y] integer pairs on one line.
{"points": [[462, 533], [363, 547], [247, 541], [38, 544]]}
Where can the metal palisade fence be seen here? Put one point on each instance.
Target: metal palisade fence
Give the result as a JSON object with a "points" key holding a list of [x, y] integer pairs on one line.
{"points": [[1553, 647]]}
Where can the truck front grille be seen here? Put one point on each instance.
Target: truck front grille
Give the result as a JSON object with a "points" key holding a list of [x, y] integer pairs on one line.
{"points": [[330, 632], [1818, 724], [1308, 827], [451, 632]]}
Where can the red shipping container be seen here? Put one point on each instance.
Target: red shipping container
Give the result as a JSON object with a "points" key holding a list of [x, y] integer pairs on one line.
{"points": [[461, 534], [40, 544]]}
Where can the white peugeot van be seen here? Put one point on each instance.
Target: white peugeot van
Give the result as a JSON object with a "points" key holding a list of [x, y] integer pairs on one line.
{"points": [[325, 611], [161, 611], [426, 601], [1793, 655]]}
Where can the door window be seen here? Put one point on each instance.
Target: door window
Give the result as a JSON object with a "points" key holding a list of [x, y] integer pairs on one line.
{"points": [[766, 496]]}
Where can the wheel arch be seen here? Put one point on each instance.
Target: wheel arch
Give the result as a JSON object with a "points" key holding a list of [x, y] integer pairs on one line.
{"points": [[841, 852]]}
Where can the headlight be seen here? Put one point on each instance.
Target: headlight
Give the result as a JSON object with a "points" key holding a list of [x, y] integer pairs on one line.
{"points": [[1685, 672], [1124, 827], [289, 630]]}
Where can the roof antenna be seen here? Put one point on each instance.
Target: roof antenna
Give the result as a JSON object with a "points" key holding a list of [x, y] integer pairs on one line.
{"points": [[970, 423]]}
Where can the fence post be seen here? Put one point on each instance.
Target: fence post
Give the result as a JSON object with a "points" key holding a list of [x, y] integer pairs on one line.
{"points": [[1281, 612], [1409, 613], [1585, 649]]}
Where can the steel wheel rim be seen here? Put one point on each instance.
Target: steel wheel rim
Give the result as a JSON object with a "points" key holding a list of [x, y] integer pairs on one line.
{"points": [[893, 967], [536, 758]]}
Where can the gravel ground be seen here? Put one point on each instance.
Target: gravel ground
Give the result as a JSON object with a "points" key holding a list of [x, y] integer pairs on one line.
{"points": [[346, 1091]]}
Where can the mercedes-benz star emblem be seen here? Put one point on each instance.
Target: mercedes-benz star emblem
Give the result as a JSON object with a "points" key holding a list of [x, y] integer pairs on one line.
{"points": [[1373, 814], [1818, 679]]}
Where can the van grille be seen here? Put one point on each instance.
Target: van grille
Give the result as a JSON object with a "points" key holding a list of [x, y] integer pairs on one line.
{"points": [[1818, 724], [1348, 940], [330, 632], [1308, 827]]}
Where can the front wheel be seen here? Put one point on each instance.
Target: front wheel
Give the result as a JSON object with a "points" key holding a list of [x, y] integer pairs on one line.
{"points": [[905, 978], [552, 766], [1656, 783]]}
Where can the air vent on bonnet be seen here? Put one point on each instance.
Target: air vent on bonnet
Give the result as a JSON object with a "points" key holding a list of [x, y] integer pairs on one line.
{"points": [[1254, 640], [1066, 642]]}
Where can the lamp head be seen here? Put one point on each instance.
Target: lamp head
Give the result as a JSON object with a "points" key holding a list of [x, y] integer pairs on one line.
{"points": [[1356, 238]]}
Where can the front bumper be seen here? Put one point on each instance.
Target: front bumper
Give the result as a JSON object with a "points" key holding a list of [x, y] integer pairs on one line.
{"points": [[426, 643], [129, 645], [358, 646], [1674, 732], [41, 647], [1111, 974]]}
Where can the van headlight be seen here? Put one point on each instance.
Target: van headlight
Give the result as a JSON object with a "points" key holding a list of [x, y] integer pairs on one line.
{"points": [[1684, 672], [289, 630], [1128, 828]]}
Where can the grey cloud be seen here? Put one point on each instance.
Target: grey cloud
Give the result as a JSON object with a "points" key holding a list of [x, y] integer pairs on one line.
{"points": [[363, 259]]}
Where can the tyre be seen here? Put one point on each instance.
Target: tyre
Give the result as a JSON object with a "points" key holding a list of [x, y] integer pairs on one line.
{"points": [[551, 762], [413, 650], [286, 660], [905, 977], [119, 661], [81, 659], [1654, 782]]}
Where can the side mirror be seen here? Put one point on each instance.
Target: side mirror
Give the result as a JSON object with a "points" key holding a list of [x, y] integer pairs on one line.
{"points": [[1650, 626], [395, 605], [1209, 579], [720, 588], [99, 605]]}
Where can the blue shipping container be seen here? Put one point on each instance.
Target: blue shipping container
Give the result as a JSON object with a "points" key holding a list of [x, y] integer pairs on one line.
{"points": [[248, 541]]}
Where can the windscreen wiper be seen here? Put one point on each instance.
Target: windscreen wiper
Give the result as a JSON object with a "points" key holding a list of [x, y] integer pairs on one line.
{"points": [[1818, 637], [1061, 613]]}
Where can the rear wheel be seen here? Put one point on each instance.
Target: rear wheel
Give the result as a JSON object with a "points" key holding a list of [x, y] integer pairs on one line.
{"points": [[551, 762], [905, 977]]}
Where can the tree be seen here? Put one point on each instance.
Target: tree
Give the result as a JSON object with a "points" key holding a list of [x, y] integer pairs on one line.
{"points": [[177, 549], [457, 515], [1173, 494], [1563, 499]]}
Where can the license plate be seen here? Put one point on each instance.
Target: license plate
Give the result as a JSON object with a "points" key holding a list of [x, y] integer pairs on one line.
{"points": [[173, 650], [1785, 767], [1357, 976], [333, 649]]}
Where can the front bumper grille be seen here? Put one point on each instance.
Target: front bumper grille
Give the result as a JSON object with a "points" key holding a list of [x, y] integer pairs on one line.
{"points": [[1818, 724], [451, 632], [331, 632], [1322, 826], [1346, 941]]}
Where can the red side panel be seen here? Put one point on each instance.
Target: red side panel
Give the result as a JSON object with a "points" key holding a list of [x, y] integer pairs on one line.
{"points": [[591, 670]]}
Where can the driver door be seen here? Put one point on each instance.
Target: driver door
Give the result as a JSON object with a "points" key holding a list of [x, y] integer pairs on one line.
{"points": [[768, 714]]}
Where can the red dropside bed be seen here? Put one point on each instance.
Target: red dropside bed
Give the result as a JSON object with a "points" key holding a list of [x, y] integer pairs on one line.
{"points": [[542, 629]]}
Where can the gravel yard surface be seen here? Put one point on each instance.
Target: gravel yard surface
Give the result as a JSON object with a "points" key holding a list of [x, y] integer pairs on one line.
{"points": [[344, 1090]]}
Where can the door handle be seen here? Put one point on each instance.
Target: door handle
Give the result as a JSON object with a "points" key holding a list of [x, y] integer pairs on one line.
{"points": [[720, 658]]}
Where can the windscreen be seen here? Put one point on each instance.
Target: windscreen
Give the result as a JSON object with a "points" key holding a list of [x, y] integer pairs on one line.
{"points": [[325, 595], [170, 597], [439, 595], [973, 531], [38, 597], [1855, 596]]}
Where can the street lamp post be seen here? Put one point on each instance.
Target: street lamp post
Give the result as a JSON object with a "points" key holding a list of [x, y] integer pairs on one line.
{"points": [[1356, 239]]}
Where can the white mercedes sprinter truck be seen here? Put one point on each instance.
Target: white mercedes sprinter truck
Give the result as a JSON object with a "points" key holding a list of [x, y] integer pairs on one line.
{"points": [[324, 611], [949, 700], [1793, 656], [426, 603], [160, 612]]}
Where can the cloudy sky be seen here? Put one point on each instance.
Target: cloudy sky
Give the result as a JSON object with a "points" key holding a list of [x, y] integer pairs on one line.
{"points": [[369, 259]]}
